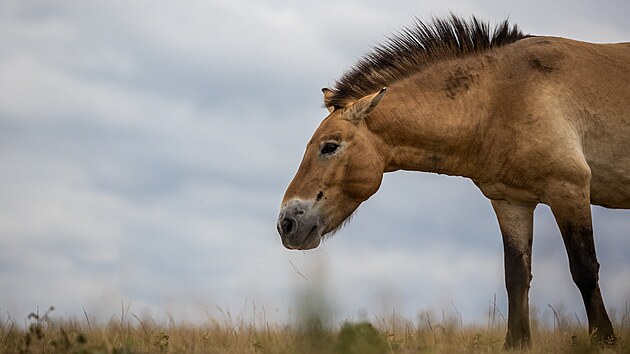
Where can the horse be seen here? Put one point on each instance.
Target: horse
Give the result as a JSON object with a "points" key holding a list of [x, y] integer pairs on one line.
{"points": [[529, 119]]}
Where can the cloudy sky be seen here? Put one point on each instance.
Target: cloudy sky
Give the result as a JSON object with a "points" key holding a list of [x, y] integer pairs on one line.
{"points": [[145, 147]]}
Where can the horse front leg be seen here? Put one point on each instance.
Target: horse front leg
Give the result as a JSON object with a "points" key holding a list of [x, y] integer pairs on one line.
{"points": [[516, 222], [572, 211]]}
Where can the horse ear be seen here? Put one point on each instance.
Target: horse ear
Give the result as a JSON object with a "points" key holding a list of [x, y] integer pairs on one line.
{"points": [[327, 95], [364, 106]]}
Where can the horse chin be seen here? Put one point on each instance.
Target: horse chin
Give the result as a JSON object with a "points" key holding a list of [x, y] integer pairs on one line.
{"points": [[329, 232], [309, 242], [312, 240]]}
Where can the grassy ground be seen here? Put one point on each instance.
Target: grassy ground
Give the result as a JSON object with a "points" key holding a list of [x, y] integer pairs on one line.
{"points": [[129, 334]]}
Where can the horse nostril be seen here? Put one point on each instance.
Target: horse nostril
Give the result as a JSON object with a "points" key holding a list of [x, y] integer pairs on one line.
{"points": [[287, 226]]}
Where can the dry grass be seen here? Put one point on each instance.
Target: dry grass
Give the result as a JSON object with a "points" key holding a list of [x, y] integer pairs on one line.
{"points": [[128, 333]]}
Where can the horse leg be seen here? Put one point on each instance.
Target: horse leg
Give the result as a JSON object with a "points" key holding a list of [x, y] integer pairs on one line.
{"points": [[572, 211], [516, 223]]}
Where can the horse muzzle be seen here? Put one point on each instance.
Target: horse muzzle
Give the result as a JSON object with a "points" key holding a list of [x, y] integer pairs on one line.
{"points": [[298, 225]]}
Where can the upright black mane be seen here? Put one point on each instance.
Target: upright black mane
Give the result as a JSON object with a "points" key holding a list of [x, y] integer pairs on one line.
{"points": [[414, 48]]}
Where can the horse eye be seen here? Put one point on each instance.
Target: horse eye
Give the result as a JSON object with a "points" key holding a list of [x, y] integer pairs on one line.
{"points": [[329, 148]]}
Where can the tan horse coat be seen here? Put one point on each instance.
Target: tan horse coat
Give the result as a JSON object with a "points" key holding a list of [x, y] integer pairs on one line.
{"points": [[540, 120]]}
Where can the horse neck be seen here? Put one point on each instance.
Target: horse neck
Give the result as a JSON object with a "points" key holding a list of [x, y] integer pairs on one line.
{"points": [[430, 126]]}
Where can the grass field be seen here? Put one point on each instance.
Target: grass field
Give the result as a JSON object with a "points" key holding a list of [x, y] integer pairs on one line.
{"points": [[127, 333]]}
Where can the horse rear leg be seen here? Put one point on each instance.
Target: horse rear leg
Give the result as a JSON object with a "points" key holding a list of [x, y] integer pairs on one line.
{"points": [[516, 223]]}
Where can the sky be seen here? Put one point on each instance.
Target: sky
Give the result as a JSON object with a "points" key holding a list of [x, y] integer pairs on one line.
{"points": [[145, 147]]}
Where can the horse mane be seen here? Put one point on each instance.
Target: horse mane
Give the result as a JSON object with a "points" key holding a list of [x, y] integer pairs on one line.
{"points": [[416, 47]]}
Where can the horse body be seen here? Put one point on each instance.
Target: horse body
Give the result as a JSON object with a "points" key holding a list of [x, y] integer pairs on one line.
{"points": [[514, 119], [538, 120]]}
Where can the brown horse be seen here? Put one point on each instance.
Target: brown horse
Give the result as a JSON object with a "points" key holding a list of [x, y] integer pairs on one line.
{"points": [[529, 119]]}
